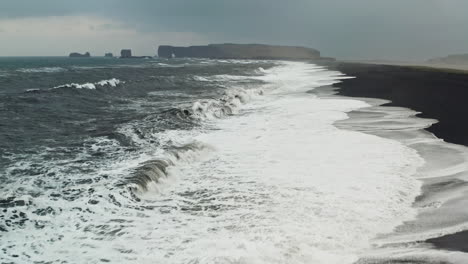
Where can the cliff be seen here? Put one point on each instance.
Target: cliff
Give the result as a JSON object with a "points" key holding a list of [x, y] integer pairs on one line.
{"points": [[79, 55], [239, 51]]}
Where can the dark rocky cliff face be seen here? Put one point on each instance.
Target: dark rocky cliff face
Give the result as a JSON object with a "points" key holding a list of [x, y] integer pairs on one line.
{"points": [[239, 51], [126, 53], [79, 55]]}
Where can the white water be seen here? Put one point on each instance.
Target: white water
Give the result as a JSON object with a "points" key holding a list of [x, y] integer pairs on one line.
{"points": [[292, 188], [111, 82], [42, 69], [281, 185], [441, 208], [284, 185]]}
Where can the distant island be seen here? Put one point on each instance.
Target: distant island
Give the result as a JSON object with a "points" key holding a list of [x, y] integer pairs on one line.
{"points": [[79, 55], [241, 51], [109, 55]]}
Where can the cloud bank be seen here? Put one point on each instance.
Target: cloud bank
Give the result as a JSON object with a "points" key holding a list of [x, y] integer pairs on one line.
{"points": [[363, 29]]}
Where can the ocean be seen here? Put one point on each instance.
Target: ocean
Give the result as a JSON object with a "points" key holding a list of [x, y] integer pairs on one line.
{"points": [[195, 161]]}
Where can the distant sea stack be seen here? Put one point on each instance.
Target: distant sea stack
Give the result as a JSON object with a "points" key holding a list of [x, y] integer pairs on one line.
{"points": [[240, 51], [109, 55], [127, 54], [79, 55]]}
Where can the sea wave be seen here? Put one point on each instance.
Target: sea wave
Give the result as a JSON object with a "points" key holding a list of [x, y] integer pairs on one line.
{"points": [[4, 74], [227, 105], [110, 83], [42, 70], [149, 174]]}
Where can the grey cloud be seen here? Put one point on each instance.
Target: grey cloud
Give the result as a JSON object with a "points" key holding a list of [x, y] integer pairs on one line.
{"points": [[392, 29]]}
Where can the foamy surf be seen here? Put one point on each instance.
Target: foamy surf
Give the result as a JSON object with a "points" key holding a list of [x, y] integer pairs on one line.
{"points": [[305, 191], [443, 190], [41, 70], [296, 188], [272, 181], [111, 83]]}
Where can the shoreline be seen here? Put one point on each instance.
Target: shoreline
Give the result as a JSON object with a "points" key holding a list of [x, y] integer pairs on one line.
{"points": [[437, 94], [418, 65], [437, 97]]}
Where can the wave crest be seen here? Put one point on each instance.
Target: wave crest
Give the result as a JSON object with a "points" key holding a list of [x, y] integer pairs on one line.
{"points": [[150, 173], [111, 82], [227, 105]]}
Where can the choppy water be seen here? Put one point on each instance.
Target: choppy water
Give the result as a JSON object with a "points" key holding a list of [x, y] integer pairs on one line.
{"points": [[190, 161]]}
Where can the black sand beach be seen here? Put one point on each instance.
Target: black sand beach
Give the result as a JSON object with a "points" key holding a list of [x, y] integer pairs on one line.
{"points": [[437, 93]]}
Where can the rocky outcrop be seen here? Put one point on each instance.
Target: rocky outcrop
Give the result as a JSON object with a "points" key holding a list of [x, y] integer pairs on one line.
{"points": [[79, 55], [240, 51], [109, 55], [127, 54]]}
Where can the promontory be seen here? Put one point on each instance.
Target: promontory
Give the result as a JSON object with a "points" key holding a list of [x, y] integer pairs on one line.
{"points": [[240, 51]]}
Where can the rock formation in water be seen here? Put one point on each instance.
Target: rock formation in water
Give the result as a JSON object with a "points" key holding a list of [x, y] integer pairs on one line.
{"points": [[79, 55], [109, 55], [127, 54], [240, 51]]}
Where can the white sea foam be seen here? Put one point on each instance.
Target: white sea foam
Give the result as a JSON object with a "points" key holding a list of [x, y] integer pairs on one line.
{"points": [[281, 184], [32, 90], [222, 79], [111, 82], [228, 104], [201, 79], [41, 69], [443, 177], [296, 189]]}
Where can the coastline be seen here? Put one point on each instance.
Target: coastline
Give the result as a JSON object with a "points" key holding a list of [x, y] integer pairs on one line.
{"points": [[437, 94], [406, 103], [419, 65]]}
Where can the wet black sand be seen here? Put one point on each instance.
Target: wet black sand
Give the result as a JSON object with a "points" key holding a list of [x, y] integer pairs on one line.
{"points": [[440, 94], [458, 241], [437, 93]]}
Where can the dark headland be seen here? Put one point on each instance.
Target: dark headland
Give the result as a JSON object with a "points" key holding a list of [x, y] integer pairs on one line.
{"points": [[241, 51]]}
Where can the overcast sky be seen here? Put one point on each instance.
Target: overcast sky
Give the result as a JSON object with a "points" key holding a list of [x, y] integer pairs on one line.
{"points": [[350, 29]]}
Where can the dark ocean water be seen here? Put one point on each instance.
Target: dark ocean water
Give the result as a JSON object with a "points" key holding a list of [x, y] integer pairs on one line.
{"points": [[63, 121], [44, 122]]}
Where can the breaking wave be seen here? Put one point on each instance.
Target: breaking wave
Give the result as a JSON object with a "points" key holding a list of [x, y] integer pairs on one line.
{"points": [[149, 174], [111, 83], [41, 70], [228, 104]]}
